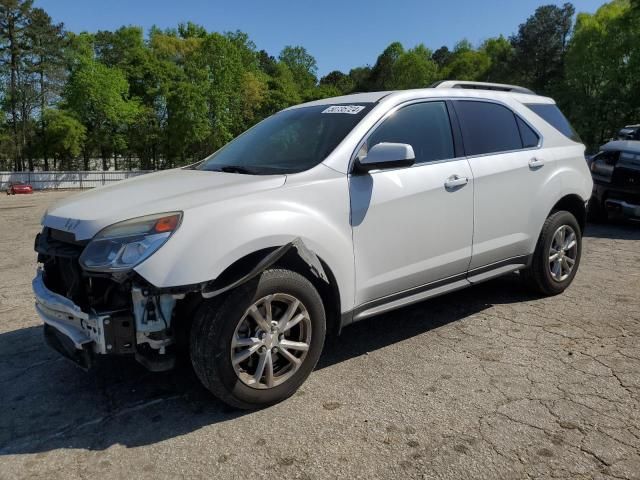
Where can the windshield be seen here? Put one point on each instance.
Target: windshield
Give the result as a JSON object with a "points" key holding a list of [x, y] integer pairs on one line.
{"points": [[287, 142]]}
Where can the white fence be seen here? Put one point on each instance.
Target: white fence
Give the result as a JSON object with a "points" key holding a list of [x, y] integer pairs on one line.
{"points": [[54, 180]]}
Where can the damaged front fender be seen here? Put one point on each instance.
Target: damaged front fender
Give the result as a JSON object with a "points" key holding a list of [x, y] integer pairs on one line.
{"points": [[307, 255]]}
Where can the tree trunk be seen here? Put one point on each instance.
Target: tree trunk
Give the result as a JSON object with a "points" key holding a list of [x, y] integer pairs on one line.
{"points": [[13, 67], [43, 104], [155, 157]]}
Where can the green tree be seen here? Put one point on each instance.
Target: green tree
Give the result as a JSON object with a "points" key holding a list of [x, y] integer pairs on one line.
{"points": [[602, 69], [14, 19], [282, 91], [540, 46], [361, 77], [303, 67], [187, 122], [383, 72], [341, 82], [414, 69], [46, 62], [191, 30], [63, 136], [266, 63], [501, 56], [442, 56], [224, 63], [99, 96], [466, 63]]}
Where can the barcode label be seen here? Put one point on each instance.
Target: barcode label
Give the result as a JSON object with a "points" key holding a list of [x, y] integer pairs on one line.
{"points": [[350, 109]]}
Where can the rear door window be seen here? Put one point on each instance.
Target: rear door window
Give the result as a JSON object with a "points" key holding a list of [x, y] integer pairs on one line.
{"points": [[487, 127]]}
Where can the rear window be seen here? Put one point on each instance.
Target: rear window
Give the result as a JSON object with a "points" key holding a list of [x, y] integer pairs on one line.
{"points": [[553, 116]]}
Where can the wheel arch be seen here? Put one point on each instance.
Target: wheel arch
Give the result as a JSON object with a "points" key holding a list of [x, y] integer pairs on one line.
{"points": [[573, 204], [252, 264]]}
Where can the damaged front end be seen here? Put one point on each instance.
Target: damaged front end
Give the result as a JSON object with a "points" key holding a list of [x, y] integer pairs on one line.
{"points": [[92, 305], [88, 313]]}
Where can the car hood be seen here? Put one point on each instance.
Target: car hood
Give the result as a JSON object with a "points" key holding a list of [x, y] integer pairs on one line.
{"points": [[87, 213]]}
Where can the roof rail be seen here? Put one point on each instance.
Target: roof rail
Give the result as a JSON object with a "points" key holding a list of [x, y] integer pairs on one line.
{"points": [[500, 87]]}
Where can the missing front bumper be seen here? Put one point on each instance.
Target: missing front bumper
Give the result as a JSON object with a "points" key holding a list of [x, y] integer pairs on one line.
{"points": [[79, 335], [60, 313], [64, 345]]}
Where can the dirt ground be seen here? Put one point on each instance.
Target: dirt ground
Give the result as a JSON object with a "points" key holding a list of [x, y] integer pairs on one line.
{"points": [[490, 382]]}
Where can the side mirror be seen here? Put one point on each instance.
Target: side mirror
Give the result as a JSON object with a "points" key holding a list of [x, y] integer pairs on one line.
{"points": [[387, 155]]}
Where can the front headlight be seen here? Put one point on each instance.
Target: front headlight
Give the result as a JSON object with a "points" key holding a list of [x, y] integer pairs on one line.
{"points": [[124, 245]]}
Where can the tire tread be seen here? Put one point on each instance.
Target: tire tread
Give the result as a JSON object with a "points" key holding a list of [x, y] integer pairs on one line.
{"points": [[535, 275], [210, 319]]}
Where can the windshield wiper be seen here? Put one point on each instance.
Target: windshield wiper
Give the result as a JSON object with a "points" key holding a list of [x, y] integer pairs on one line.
{"points": [[237, 169]]}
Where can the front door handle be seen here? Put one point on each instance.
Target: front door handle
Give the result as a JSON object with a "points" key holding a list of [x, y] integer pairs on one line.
{"points": [[535, 163], [455, 181]]}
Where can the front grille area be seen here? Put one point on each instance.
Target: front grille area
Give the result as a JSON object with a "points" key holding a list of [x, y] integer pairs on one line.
{"points": [[626, 177], [59, 253]]}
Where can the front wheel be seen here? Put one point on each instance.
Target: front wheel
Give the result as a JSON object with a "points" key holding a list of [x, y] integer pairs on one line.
{"points": [[557, 254], [258, 344]]}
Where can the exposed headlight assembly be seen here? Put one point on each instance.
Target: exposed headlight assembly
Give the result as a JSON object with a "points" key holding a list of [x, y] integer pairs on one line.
{"points": [[122, 246]]}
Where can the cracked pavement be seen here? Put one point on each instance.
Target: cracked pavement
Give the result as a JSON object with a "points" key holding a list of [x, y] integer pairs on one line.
{"points": [[490, 382]]}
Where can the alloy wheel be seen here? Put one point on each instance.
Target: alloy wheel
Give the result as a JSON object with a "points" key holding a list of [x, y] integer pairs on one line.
{"points": [[271, 341], [563, 253]]}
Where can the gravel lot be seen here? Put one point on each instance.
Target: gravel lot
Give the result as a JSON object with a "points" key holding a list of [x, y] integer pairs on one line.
{"points": [[490, 382]]}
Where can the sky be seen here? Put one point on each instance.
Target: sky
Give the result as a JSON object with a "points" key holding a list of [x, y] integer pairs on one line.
{"points": [[340, 34]]}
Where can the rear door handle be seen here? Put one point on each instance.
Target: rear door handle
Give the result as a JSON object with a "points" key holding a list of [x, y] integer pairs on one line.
{"points": [[536, 163], [455, 181]]}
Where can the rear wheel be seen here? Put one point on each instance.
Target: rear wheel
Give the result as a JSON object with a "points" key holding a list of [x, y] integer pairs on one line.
{"points": [[256, 346], [557, 255]]}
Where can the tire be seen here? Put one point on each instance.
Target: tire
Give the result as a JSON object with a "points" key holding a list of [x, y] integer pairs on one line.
{"points": [[219, 321], [540, 276]]}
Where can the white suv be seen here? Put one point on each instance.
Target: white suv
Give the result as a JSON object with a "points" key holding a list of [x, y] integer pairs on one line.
{"points": [[320, 216]]}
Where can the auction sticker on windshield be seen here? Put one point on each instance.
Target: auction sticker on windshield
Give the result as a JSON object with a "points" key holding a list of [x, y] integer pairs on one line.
{"points": [[350, 109]]}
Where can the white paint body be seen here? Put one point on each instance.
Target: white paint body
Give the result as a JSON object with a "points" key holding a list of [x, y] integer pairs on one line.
{"points": [[379, 233]]}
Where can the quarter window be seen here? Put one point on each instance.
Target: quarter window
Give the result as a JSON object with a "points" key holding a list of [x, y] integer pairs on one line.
{"points": [[487, 127], [529, 137], [552, 115], [424, 126]]}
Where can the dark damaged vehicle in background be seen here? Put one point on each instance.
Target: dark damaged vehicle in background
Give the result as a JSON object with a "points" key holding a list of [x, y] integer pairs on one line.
{"points": [[630, 132], [616, 181]]}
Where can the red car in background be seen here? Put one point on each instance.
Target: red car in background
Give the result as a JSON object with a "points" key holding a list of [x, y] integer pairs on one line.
{"points": [[19, 187]]}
